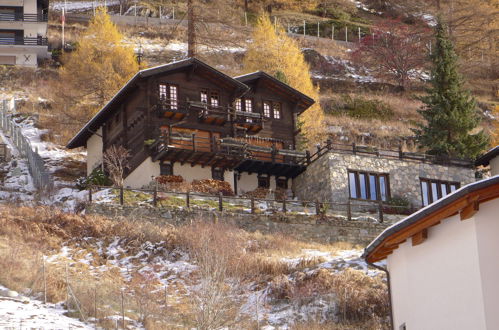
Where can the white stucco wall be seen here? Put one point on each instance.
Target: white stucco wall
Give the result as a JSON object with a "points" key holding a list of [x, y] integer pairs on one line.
{"points": [[437, 284], [494, 166], [94, 151], [487, 229], [249, 182], [190, 173], [142, 175]]}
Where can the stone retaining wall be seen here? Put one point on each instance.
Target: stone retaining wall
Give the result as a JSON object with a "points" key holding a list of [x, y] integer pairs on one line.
{"points": [[327, 177], [302, 227]]}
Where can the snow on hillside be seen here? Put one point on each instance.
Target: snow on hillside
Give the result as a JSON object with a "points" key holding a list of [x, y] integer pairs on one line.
{"points": [[23, 313]]}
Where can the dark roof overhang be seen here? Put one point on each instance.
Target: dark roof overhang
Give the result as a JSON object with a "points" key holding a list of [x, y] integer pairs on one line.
{"points": [[485, 159], [303, 101], [458, 202], [80, 139]]}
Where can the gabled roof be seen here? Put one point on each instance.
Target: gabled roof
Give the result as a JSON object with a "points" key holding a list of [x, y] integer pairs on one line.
{"points": [[80, 139], [304, 102], [485, 159], [464, 201]]}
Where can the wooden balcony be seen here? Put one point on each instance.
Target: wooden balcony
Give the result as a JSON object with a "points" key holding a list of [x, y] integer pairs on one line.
{"points": [[251, 121], [208, 114], [237, 154], [171, 110]]}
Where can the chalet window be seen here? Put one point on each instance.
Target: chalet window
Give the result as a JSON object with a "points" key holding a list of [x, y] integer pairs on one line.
{"points": [[238, 105], [433, 190], [276, 107], [166, 169], [370, 186], [266, 109], [204, 96], [169, 94], [264, 181], [248, 107], [281, 183], [217, 173], [214, 99]]}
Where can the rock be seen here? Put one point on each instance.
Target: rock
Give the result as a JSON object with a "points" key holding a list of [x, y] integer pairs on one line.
{"points": [[11, 294]]}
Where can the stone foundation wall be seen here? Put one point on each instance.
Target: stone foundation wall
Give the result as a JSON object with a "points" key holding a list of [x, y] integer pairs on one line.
{"points": [[327, 177], [302, 227]]}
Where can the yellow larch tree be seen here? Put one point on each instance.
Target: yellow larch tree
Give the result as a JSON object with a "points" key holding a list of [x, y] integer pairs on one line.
{"points": [[99, 67], [495, 128], [277, 54]]}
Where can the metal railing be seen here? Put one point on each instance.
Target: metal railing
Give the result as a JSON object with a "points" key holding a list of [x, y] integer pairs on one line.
{"points": [[159, 197], [28, 41], [355, 149], [20, 17], [36, 165]]}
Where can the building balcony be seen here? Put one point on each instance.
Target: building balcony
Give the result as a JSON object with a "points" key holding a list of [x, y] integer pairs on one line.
{"points": [[251, 121], [19, 17], [14, 41], [171, 109], [239, 154], [209, 114]]}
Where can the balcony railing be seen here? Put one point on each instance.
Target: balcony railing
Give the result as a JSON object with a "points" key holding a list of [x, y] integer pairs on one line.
{"points": [[24, 41], [20, 17], [171, 109]]}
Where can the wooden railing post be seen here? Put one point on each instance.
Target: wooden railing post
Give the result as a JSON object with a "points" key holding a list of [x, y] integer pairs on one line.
{"points": [[155, 195], [349, 211], [401, 154], [121, 196], [380, 207], [220, 202], [252, 201], [188, 200], [354, 148], [284, 205], [90, 194], [308, 157], [317, 207]]}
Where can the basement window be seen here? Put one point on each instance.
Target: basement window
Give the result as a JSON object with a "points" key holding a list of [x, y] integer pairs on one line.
{"points": [[217, 173], [368, 186], [166, 169], [281, 183], [264, 181], [433, 190]]}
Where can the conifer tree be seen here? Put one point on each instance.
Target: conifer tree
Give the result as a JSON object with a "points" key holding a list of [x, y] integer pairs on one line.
{"points": [[274, 52], [99, 67], [449, 110]]}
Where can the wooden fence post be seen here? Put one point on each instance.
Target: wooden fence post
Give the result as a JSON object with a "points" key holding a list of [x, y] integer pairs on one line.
{"points": [[220, 202], [317, 207], [188, 200], [252, 201], [380, 206], [121, 196], [90, 194], [284, 205], [349, 211], [155, 195]]}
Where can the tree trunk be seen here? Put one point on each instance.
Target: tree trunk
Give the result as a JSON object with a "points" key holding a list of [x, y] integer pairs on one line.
{"points": [[191, 29]]}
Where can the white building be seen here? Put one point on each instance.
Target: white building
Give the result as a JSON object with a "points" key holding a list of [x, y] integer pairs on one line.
{"points": [[443, 261], [23, 32]]}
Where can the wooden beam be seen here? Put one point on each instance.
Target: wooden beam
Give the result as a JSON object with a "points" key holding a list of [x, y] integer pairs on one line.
{"points": [[469, 210], [420, 237]]}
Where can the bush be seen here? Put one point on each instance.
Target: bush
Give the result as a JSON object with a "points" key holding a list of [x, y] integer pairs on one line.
{"points": [[361, 108], [397, 205], [96, 178]]}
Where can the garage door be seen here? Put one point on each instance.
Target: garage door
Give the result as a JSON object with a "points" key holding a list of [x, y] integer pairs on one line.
{"points": [[9, 60]]}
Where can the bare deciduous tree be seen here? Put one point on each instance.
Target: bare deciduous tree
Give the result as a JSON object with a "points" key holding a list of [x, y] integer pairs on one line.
{"points": [[116, 162]]}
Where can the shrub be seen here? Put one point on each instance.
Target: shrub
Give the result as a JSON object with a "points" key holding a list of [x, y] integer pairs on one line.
{"points": [[96, 178], [397, 205], [361, 108]]}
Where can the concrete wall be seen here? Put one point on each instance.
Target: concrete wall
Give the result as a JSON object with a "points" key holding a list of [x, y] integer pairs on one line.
{"points": [[437, 284], [94, 151], [302, 227], [143, 174], [487, 230], [327, 178]]}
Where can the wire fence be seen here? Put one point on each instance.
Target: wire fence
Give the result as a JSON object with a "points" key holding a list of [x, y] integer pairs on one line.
{"points": [[36, 165], [353, 209]]}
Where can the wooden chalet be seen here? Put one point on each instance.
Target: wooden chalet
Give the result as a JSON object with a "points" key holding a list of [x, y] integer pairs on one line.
{"points": [[187, 118]]}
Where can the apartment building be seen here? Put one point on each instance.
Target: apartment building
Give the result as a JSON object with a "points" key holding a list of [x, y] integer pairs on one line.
{"points": [[23, 32]]}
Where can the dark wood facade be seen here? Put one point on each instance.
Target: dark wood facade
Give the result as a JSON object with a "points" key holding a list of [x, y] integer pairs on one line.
{"points": [[188, 112]]}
